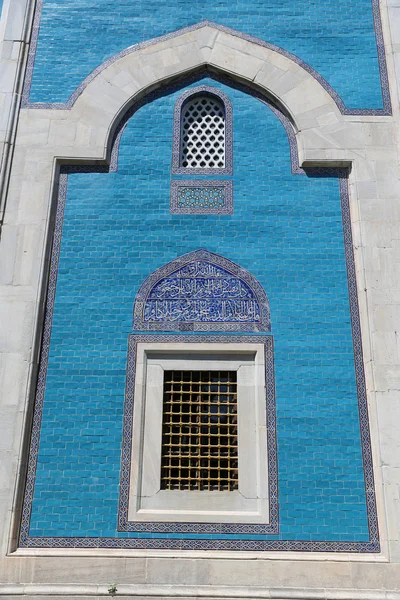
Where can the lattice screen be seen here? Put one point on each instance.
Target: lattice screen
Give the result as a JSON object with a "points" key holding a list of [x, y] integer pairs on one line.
{"points": [[203, 133], [199, 443]]}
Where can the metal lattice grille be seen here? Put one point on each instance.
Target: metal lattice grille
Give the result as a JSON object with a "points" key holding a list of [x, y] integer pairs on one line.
{"points": [[203, 133], [199, 441]]}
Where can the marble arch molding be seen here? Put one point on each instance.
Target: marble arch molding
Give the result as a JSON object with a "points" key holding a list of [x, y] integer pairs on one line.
{"points": [[84, 127], [134, 74]]}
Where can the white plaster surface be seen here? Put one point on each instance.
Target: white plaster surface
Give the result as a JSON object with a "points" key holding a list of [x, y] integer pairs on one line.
{"points": [[324, 136]]}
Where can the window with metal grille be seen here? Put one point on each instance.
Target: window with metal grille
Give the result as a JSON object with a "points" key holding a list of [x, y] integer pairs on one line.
{"points": [[199, 433], [199, 430], [203, 133]]}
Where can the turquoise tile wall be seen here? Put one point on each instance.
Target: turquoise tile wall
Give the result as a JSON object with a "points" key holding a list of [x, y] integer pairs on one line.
{"points": [[335, 37], [287, 231]]}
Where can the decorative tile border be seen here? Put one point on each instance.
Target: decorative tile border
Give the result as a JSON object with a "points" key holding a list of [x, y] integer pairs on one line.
{"points": [[373, 525], [201, 197], [200, 528], [44, 357], [162, 543], [387, 106], [176, 143], [231, 270], [372, 546]]}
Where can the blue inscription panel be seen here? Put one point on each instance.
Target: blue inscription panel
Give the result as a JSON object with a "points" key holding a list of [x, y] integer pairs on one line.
{"points": [[201, 291]]}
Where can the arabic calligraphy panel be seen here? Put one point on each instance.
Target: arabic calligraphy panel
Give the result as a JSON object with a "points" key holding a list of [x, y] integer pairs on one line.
{"points": [[201, 295]]}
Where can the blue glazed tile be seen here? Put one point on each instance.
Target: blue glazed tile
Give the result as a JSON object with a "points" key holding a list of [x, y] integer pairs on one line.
{"points": [[335, 38], [287, 232]]}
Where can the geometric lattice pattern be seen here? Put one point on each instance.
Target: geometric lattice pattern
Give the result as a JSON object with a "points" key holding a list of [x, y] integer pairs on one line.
{"points": [[203, 133], [201, 197], [199, 435]]}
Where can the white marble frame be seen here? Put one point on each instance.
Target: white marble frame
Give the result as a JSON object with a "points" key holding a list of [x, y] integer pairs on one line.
{"points": [[147, 501]]}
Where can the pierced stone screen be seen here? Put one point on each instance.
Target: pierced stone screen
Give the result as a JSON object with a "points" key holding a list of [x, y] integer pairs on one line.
{"points": [[199, 437], [203, 134]]}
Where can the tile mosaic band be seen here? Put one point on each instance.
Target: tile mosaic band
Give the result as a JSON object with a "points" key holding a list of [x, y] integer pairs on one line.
{"points": [[201, 197]]}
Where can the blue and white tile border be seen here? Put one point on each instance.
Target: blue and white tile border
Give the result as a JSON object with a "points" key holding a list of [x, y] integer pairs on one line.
{"points": [[200, 528], [387, 106], [224, 209], [154, 542], [176, 143]]}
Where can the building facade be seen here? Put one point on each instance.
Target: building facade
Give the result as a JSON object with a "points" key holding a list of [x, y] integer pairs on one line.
{"points": [[199, 299]]}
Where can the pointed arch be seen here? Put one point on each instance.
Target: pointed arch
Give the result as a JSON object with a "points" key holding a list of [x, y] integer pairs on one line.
{"points": [[227, 31], [201, 291]]}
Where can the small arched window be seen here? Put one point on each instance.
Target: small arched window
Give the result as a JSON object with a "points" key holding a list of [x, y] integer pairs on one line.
{"points": [[202, 132]]}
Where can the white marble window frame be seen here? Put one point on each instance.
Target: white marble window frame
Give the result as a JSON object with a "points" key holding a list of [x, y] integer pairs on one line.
{"points": [[248, 504]]}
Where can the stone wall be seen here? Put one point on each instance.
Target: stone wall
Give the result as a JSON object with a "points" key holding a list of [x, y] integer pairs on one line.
{"points": [[271, 204]]}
